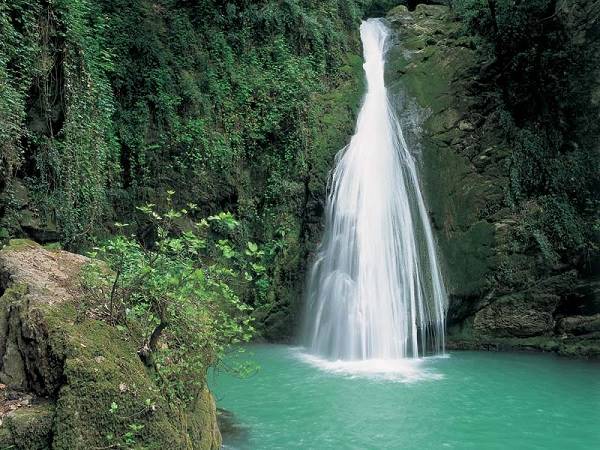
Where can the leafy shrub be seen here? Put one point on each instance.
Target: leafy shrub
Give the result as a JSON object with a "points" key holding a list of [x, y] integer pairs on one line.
{"points": [[177, 302]]}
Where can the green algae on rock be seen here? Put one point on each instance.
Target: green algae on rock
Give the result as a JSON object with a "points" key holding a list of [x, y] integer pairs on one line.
{"points": [[28, 427]]}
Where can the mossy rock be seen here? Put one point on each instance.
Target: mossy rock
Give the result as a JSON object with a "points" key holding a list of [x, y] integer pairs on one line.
{"points": [[100, 393], [6, 440], [28, 428], [424, 70], [101, 368], [581, 348], [502, 296]]}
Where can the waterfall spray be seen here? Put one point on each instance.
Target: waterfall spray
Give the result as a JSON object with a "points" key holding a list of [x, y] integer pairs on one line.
{"points": [[375, 290]]}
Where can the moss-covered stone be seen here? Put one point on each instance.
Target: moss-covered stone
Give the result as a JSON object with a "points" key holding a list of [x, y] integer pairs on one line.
{"points": [[6, 440], [578, 325], [28, 428], [12, 372], [19, 244], [100, 393], [588, 348], [426, 67], [202, 428], [101, 368], [502, 294], [517, 315]]}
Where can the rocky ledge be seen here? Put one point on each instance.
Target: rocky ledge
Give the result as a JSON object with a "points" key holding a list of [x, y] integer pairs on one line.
{"points": [[70, 382]]}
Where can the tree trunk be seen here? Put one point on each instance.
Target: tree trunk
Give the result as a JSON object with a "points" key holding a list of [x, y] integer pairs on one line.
{"points": [[147, 352]]}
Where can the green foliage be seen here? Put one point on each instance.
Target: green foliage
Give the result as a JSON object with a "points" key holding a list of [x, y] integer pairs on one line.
{"points": [[240, 106], [227, 103], [129, 438], [173, 297], [249, 71], [18, 48], [54, 63], [532, 55]]}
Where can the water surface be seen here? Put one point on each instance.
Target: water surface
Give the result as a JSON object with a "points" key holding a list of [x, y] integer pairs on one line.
{"points": [[469, 400]]}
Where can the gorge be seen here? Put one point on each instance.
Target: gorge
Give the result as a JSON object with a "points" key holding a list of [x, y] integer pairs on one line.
{"points": [[439, 273]]}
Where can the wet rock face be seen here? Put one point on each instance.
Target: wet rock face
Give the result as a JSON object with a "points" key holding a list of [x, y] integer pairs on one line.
{"points": [[517, 316], [501, 297], [428, 65], [580, 325], [60, 373]]}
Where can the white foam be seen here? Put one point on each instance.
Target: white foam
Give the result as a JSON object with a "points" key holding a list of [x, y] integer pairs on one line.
{"points": [[403, 370]]}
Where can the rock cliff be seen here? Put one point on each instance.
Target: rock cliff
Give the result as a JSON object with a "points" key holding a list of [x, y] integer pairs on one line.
{"points": [[501, 296]]}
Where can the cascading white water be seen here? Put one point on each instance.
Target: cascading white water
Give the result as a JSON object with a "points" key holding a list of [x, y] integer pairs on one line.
{"points": [[375, 290]]}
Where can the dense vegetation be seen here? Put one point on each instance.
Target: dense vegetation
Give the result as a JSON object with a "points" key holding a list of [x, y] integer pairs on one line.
{"points": [[177, 299], [235, 106], [106, 101]]}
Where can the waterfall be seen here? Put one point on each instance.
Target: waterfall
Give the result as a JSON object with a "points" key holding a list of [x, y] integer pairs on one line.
{"points": [[375, 290]]}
